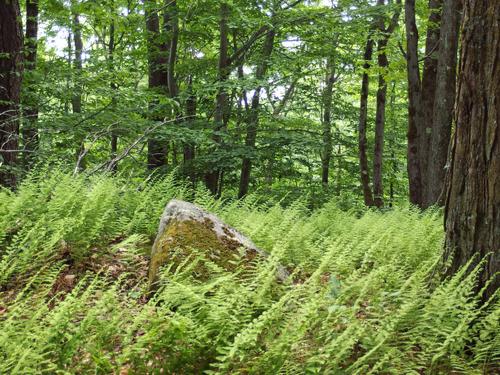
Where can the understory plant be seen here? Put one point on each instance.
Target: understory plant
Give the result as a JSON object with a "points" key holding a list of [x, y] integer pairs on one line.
{"points": [[365, 293]]}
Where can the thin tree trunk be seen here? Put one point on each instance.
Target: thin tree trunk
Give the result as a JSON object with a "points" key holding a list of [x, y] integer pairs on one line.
{"points": [[472, 211], [286, 98], [213, 177], [76, 100], [11, 58], [113, 85], [428, 94], [189, 147], [30, 128], [157, 149], [391, 147], [339, 167], [253, 118], [383, 64], [363, 120], [77, 64], [444, 101], [326, 154], [172, 26], [69, 47], [414, 105]]}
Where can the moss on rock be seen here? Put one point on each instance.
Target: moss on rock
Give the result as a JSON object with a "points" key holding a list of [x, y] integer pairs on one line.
{"points": [[185, 228]]}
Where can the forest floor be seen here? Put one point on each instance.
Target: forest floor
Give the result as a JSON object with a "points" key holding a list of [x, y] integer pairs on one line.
{"points": [[365, 294]]}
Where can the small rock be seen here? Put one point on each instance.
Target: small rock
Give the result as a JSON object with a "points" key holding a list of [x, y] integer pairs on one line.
{"points": [[69, 280]]}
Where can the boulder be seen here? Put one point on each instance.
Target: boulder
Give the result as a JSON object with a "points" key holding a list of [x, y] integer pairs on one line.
{"points": [[185, 226]]}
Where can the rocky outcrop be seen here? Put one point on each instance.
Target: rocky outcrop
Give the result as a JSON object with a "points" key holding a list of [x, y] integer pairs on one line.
{"points": [[185, 227]]}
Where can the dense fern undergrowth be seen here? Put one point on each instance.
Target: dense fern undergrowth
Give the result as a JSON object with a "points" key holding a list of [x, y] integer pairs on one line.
{"points": [[363, 298]]}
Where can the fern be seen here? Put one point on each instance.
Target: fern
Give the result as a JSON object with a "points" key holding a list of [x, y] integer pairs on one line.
{"points": [[363, 297]]}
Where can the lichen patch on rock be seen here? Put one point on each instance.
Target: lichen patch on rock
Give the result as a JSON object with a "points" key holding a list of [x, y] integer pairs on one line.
{"points": [[185, 228]]}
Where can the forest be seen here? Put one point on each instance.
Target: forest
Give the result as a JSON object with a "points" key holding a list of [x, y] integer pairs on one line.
{"points": [[249, 187]]}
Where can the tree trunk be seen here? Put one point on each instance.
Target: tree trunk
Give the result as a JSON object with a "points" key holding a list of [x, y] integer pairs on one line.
{"points": [[378, 188], [213, 177], [113, 85], [444, 101], [172, 29], [428, 94], [76, 100], [189, 147], [472, 211], [383, 64], [326, 154], [422, 97], [69, 47], [157, 149], [30, 129], [253, 117], [414, 105], [363, 119], [77, 40], [11, 58]]}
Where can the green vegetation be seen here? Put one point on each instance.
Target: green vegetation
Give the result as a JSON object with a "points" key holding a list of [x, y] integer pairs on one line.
{"points": [[363, 297], [337, 135]]}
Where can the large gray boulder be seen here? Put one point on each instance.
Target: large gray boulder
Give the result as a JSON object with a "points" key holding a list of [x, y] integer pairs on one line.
{"points": [[185, 226]]}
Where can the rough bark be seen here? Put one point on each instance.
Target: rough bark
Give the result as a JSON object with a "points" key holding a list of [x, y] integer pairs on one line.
{"points": [[253, 117], [414, 105], [11, 58], [213, 177], [472, 211], [428, 93], [362, 125], [29, 128], [444, 101]]}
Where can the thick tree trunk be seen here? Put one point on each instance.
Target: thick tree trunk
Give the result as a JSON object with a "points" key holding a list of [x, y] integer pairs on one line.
{"points": [[363, 120], [444, 101], [11, 58], [326, 154], [253, 118], [157, 149], [29, 128], [414, 105], [213, 177], [472, 212]]}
